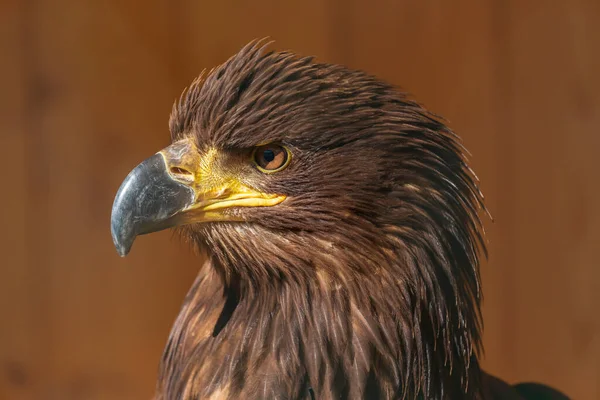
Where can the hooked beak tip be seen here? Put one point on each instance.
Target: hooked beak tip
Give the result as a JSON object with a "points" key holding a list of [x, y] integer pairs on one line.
{"points": [[122, 251], [122, 239]]}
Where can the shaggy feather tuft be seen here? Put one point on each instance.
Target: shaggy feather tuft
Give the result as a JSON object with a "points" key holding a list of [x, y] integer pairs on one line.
{"points": [[364, 283]]}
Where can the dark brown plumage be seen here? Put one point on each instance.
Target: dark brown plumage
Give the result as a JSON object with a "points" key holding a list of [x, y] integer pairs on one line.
{"points": [[363, 283]]}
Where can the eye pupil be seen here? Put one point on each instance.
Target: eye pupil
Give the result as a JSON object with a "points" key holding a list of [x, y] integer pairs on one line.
{"points": [[269, 155]]}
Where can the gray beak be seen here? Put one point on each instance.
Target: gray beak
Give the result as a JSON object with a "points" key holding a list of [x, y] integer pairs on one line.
{"points": [[148, 200]]}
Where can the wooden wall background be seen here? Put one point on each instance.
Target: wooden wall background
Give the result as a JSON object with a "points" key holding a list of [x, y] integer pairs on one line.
{"points": [[85, 93]]}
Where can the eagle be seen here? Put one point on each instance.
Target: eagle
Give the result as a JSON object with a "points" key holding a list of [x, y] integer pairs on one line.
{"points": [[343, 233]]}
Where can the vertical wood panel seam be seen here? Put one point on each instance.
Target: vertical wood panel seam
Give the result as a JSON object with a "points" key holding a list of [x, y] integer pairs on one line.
{"points": [[341, 16], [174, 32], [503, 63], [36, 216]]}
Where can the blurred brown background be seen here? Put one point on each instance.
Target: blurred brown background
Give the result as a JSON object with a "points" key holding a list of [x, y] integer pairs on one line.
{"points": [[86, 90]]}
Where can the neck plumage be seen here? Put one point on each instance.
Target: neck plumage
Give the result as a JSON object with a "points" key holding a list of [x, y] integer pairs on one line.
{"points": [[381, 324]]}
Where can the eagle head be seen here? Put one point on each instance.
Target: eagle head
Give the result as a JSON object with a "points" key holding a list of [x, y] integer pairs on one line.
{"points": [[340, 219]]}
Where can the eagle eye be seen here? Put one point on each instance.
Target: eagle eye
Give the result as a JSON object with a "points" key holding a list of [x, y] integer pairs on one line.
{"points": [[271, 158]]}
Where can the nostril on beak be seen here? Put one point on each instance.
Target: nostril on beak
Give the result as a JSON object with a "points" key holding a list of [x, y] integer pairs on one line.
{"points": [[182, 174]]}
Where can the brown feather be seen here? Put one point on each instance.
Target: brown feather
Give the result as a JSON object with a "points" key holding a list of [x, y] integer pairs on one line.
{"points": [[364, 283]]}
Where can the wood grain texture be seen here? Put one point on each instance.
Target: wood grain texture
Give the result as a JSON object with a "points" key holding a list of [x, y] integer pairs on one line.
{"points": [[555, 114], [17, 309], [86, 93]]}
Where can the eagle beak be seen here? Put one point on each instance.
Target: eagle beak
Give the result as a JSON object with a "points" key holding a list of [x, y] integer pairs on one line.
{"points": [[178, 186]]}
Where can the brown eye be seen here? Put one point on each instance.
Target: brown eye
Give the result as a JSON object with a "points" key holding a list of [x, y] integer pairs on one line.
{"points": [[271, 157]]}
